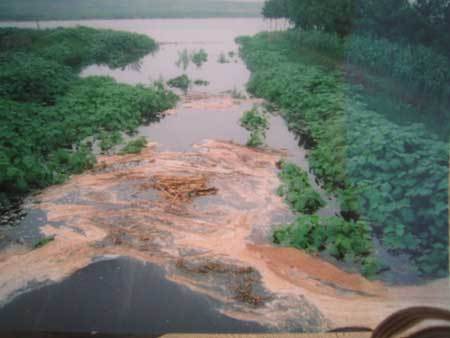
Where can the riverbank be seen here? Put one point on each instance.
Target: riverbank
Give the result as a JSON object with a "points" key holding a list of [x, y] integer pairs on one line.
{"points": [[393, 177], [205, 216]]}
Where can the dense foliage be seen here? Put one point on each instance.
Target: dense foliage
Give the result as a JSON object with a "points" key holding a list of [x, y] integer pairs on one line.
{"points": [[50, 119], [426, 72], [346, 241], [256, 123], [425, 22], [77, 47], [395, 177], [297, 190], [118, 9]]}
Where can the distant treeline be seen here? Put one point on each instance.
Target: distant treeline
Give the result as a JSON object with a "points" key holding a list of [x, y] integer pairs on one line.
{"points": [[425, 22], [118, 9]]}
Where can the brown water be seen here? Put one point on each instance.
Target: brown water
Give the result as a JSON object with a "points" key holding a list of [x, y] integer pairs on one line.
{"points": [[218, 245], [215, 36]]}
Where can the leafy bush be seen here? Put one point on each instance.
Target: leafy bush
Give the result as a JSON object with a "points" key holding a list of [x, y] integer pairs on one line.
{"points": [[29, 78], [297, 190], [256, 123], [40, 146], [47, 113], [346, 241], [395, 177], [134, 146], [182, 82], [199, 57]]}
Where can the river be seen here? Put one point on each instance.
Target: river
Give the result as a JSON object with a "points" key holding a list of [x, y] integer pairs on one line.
{"points": [[127, 260]]}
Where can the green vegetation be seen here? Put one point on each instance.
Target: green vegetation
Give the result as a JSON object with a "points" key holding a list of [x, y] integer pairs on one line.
{"points": [[297, 190], [395, 177], [50, 118], [134, 146], [223, 58], [237, 95], [183, 59], [44, 241], [117, 9], [76, 47], [196, 57], [200, 82], [181, 82], [256, 123], [199, 57], [345, 241], [421, 22]]}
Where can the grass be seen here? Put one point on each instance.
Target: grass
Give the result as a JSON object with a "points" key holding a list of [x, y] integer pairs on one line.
{"points": [[43, 242]]}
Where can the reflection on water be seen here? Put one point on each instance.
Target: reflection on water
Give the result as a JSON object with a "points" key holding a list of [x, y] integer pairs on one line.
{"points": [[215, 36]]}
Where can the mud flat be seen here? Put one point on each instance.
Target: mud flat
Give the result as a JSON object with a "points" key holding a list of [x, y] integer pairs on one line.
{"points": [[205, 218]]}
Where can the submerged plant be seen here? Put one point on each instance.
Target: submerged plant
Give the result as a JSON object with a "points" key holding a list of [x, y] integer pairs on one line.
{"points": [[200, 82], [199, 57], [256, 123], [182, 82], [223, 58], [183, 59]]}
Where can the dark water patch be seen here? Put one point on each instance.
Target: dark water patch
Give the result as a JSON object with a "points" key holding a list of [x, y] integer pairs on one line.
{"points": [[118, 296], [27, 231]]}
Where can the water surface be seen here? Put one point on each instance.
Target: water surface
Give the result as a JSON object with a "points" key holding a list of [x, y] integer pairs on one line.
{"points": [[118, 296]]}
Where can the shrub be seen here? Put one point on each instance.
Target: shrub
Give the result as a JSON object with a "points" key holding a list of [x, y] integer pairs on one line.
{"points": [[395, 177], [346, 241], [29, 78], [297, 190], [80, 46], [256, 123], [134, 146], [199, 57], [182, 82]]}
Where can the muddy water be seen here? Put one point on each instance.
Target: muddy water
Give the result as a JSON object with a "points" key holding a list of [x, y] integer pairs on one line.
{"points": [[148, 303], [207, 243], [215, 36]]}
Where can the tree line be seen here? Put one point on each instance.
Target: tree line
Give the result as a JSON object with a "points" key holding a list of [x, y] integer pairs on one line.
{"points": [[425, 22]]}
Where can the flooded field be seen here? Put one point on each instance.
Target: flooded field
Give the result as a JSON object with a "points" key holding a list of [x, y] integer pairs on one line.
{"points": [[178, 237]]}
